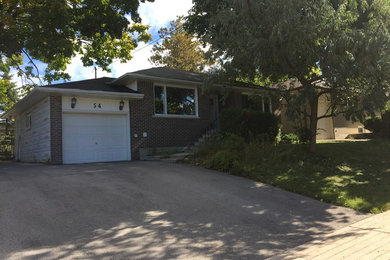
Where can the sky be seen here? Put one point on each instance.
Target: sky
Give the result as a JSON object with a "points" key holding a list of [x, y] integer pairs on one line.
{"points": [[157, 14]]}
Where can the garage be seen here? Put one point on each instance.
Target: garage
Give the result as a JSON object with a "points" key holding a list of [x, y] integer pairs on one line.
{"points": [[91, 137]]}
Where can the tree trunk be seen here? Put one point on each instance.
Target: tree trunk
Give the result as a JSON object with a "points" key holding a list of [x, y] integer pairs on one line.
{"points": [[313, 124], [386, 124], [6, 126]]}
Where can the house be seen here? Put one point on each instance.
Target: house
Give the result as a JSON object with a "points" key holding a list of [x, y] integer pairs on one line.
{"points": [[336, 127], [125, 118], [113, 119]]}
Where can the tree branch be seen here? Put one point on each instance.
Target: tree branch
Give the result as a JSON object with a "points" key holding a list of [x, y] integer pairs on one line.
{"points": [[36, 68]]}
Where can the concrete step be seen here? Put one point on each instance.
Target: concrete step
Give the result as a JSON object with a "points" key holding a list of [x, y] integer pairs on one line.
{"points": [[176, 157]]}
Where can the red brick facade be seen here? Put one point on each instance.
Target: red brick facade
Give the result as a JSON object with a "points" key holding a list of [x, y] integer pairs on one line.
{"points": [[56, 129], [163, 131]]}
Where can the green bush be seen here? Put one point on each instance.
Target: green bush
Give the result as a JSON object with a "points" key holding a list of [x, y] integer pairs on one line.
{"points": [[303, 134], [224, 160], [249, 124], [289, 138], [375, 124]]}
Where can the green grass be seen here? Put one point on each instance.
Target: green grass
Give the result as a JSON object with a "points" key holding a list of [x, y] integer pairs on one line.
{"points": [[350, 174]]}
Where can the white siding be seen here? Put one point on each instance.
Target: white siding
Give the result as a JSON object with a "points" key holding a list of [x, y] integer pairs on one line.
{"points": [[33, 145], [94, 105], [324, 125]]}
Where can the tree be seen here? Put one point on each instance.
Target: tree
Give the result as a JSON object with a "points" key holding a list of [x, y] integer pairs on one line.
{"points": [[8, 92], [179, 49], [334, 48], [55, 31]]}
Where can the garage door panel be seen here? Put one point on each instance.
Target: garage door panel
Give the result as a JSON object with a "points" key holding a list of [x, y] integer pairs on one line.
{"points": [[95, 138]]}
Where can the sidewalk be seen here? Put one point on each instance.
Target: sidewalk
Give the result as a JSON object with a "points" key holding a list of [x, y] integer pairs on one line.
{"points": [[366, 239]]}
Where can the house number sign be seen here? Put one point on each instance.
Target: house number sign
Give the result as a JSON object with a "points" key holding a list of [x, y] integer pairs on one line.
{"points": [[97, 105]]}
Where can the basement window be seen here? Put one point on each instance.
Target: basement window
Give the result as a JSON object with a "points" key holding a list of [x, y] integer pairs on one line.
{"points": [[175, 101]]}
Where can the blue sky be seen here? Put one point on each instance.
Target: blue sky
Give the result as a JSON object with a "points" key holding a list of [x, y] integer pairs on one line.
{"points": [[157, 15]]}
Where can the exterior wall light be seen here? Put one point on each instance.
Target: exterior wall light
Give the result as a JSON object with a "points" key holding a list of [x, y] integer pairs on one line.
{"points": [[121, 105], [73, 102]]}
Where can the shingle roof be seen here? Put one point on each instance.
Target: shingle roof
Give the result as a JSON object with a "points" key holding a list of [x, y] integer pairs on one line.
{"points": [[163, 72], [100, 84], [182, 75]]}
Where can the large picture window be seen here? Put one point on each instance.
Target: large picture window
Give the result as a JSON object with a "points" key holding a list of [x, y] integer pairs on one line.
{"points": [[175, 101]]}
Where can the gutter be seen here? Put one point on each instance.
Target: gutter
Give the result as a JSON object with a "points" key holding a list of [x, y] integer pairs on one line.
{"points": [[108, 94]]}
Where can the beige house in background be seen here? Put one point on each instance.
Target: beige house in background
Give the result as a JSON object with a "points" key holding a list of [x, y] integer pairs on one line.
{"points": [[328, 128]]}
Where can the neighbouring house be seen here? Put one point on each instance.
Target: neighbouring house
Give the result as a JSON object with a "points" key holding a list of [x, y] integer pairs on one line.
{"points": [[336, 127], [125, 118]]}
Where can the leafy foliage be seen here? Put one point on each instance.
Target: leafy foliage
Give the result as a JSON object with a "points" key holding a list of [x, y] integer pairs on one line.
{"points": [[333, 48], [179, 49], [8, 92], [289, 138], [249, 124], [55, 31]]}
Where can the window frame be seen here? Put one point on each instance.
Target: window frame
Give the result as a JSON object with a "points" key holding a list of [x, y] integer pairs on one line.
{"points": [[165, 102], [28, 122], [263, 97]]}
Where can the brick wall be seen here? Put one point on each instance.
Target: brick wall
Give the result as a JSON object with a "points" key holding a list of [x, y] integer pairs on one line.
{"points": [[165, 132], [56, 129]]}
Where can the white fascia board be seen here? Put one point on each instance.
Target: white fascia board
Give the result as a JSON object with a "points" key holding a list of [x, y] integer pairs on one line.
{"points": [[90, 93], [39, 93]]}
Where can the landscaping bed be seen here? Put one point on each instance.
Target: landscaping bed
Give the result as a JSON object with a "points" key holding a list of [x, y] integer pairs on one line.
{"points": [[350, 174]]}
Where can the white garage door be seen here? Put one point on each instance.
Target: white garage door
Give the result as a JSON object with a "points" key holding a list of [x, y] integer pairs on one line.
{"points": [[95, 138]]}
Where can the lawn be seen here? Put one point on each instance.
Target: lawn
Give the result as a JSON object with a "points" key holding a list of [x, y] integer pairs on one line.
{"points": [[350, 174]]}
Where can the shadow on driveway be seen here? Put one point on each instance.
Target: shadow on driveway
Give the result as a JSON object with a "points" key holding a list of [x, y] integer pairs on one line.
{"points": [[152, 210]]}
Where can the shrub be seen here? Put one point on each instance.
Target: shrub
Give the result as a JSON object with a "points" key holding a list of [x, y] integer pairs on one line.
{"points": [[224, 160], [230, 121], [231, 142], [249, 124], [303, 134], [375, 124], [289, 138]]}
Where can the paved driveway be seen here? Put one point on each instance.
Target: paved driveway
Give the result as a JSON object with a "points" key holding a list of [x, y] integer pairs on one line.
{"points": [[152, 210]]}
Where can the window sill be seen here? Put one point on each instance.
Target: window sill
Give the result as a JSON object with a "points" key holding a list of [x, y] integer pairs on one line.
{"points": [[175, 116]]}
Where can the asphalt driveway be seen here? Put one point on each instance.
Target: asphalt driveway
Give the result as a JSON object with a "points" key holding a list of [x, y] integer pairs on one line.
{"points": [[152, 210]]}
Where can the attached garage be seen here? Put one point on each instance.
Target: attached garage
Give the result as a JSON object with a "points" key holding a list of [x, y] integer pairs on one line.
{"points": [[82, 122], [89, 137]]}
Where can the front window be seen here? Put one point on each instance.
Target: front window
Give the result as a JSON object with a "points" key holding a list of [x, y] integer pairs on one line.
{"points": [[257, 102], [175, 101], [159, 98]]}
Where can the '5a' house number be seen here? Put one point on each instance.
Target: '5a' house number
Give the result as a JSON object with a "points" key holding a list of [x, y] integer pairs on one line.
{"points": [[97, 105]]}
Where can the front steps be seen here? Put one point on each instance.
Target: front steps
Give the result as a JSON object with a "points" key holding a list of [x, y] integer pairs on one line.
{"points": [[181, 155]]}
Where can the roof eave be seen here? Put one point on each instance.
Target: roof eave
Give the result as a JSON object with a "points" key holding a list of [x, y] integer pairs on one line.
{"points": [[41, 92], [128, 77], [91, 93]]}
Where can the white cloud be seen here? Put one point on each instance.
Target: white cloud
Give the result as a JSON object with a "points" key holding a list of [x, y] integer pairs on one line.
{"points": [[78, 72], [160, 12], [138, 62]]}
